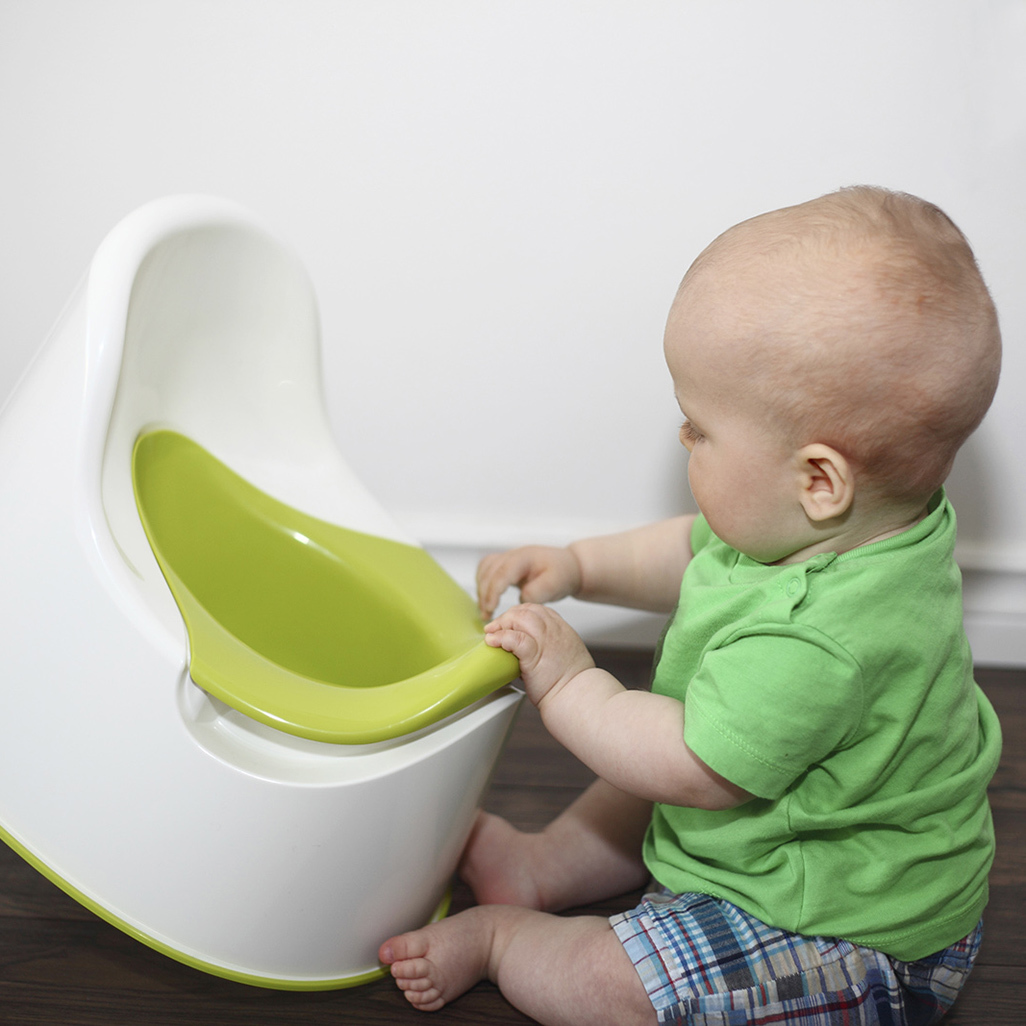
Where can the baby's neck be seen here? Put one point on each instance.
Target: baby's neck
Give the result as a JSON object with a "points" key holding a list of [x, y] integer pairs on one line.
{"points": [[855, 532]]}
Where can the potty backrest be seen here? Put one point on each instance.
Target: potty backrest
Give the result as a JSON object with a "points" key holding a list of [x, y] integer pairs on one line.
{"points": [[199, 320]]}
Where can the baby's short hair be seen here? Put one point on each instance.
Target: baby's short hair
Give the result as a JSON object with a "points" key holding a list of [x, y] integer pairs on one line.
{"points": [[893, 353]]}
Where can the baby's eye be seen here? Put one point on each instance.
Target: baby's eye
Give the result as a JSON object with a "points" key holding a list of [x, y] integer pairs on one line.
{"points": [[688, 435]]}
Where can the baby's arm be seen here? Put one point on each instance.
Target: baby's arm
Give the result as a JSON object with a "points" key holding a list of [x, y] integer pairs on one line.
{"points": [[632, 739], [641, 568]]}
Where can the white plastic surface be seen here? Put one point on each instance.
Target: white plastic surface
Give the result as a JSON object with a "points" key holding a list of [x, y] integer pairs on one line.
{"points": [[226, 843]]}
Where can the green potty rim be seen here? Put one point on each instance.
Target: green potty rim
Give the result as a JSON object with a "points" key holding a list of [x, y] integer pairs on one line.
{"points": [[311, 628]]}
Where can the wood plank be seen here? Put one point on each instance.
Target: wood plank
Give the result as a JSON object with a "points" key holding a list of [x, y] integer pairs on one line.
{"points": [[993, 996]]}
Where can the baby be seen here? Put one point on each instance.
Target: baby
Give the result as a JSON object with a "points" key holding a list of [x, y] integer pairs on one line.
{"points": [[805, 784]]}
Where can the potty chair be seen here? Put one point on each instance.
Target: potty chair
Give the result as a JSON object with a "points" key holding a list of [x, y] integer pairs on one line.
{"points": [[243, 716]]}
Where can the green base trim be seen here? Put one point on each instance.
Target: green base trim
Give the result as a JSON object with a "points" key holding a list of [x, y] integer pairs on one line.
{"points": [[236, 976]]}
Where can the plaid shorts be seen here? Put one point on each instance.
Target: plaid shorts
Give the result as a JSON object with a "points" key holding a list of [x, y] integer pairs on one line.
{"points": [[705, 962]]}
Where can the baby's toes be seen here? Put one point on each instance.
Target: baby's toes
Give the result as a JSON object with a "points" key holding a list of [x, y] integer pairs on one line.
{"points": [[404, 947], [415, 984], [411, 968], [425, 1000]]}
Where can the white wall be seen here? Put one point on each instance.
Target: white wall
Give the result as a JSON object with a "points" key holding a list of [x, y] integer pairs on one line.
{"points": [[496, 201]]}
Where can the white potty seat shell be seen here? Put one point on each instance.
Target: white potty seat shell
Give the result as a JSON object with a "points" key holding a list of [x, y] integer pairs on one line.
{"points": [[221, 345], [197, 740]]}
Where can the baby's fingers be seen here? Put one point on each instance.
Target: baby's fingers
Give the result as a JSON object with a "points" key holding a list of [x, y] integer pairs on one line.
{"points": [[519, 642], [493, 578], [549, 649], [524, 630], [502, 570], [543, 574]]}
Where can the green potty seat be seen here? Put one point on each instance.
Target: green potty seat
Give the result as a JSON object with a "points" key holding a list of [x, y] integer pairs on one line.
{"points": [[311, 628]]}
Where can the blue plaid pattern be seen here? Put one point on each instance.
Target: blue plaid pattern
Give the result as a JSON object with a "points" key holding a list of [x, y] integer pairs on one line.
{"points": [[705, 962]]}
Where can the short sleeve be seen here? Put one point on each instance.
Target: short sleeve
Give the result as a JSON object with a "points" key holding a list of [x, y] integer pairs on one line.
{"points": [[766, 706]]}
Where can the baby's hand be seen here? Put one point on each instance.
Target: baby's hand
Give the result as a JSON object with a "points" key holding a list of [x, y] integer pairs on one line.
{"points": [[550, 651], [543, 574]]}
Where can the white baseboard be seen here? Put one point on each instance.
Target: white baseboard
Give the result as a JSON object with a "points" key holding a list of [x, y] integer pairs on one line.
{"points": [[995, 615], [994, 601]]}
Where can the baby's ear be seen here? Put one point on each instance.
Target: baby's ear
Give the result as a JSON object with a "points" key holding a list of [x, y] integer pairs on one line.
{"points": [[826, 482]]}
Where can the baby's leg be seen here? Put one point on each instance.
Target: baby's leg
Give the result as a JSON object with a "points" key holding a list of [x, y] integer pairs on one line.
{"points": [[556, 970], [591, 851]]}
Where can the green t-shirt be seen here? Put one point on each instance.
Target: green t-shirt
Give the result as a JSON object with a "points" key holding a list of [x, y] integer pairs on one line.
{"points": [[839, 691]]}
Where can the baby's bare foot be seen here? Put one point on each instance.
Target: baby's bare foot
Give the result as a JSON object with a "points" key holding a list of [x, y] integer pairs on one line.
{"points": [[434, 965], [499, 864]]}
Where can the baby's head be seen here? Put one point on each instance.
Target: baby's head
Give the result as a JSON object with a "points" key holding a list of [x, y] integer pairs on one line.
{"points": [[858, 321]]}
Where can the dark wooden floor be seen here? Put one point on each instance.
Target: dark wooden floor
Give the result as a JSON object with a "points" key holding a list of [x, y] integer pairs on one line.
{"points": [[61, 966]]}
